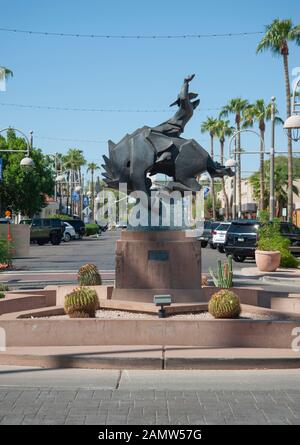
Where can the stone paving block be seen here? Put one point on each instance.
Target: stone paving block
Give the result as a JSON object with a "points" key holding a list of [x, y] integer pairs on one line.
{"points": [[49, 421], [113, 419], [84, 395], [12, 420], [74, 420], [95, 420], [148, 394], [13, 395], [102, 394], [67, 395], [33, 420], [29, 409]]}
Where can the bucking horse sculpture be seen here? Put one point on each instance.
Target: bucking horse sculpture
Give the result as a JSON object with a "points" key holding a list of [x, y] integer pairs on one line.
{"points": [[160, 149]]}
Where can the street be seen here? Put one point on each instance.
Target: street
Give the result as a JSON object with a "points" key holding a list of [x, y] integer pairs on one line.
{"points": [[100, 251], [110, 397]]}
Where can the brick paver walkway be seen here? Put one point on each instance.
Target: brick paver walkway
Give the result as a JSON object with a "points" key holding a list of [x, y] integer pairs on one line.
{"points": [[148, 407]]}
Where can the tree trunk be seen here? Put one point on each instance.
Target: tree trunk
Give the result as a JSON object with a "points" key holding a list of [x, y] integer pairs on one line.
{"points": [[68, 192], [261, 172], [290, 147], [239, 170], [223, 181], [93, 197], [213, 198]]}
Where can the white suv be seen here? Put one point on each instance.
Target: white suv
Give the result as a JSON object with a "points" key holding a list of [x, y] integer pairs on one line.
{"points": [[69, 232], [219, 235]]}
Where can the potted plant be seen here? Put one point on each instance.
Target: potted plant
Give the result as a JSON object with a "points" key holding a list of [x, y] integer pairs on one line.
{"points": [[269, 245]]}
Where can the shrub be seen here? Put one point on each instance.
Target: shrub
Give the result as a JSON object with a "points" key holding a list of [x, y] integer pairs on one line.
{"points": [[5, 252], [270, 239], [91, 229], [224, 304], [2, 295], [82, 302], [4, 287], [88, 275]]}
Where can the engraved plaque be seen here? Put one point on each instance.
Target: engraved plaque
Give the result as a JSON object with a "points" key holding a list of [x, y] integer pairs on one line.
{"points": [[158, 255]]}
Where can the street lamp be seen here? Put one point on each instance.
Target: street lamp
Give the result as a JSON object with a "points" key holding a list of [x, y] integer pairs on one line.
{"points": [[26, 162], [233, 163], [292, 123]]}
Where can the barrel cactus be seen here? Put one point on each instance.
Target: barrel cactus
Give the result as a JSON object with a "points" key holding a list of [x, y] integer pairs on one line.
{"points": [[82, 302], [224, 304], [88, 275]]}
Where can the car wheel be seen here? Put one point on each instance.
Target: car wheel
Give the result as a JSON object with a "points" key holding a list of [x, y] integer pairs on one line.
{"points": [[67, 237], [239, 258], [41, 242], [221, 249], [55, 239], [203, 243], [212, 246]]}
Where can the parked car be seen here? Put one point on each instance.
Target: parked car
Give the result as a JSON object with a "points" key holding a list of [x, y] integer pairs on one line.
{"points": [[78, 225], [43, 230], [69, 232], [206, 236], [219, 235], [25, 221], [6, 220], [293, 233], [242, 235]]}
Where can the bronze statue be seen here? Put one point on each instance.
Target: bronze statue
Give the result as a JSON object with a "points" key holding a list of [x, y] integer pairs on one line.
{"points": [[160, 149]]}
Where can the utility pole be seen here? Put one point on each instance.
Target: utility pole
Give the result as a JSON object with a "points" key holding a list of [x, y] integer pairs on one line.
{"points": [[272, 161]]}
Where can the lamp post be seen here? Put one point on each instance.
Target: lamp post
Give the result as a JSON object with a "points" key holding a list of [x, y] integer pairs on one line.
{"points": [[272, 162], [234, 163], [292, 123], [292, 127], [26, 161]]}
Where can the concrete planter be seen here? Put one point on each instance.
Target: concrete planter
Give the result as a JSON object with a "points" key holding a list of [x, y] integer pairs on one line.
{"points": [[267, 261]]}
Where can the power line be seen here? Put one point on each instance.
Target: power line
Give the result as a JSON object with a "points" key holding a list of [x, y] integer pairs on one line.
{"points": [[109, 36], [94, 110], [86, 141]]}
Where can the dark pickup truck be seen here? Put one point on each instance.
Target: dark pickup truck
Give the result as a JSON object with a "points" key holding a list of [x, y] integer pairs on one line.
{"points": [[241, 239]]}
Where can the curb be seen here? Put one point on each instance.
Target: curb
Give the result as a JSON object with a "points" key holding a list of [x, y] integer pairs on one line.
{"points": [[149, 363], [281, 281]]}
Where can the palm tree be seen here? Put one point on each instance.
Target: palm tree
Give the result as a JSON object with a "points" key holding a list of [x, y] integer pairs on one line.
{"points": [[92, 167], [210, 126], [260, 112], [280, 183], [224, 129], [237, 107], [276, 39], [73, 161], [7, 72]]}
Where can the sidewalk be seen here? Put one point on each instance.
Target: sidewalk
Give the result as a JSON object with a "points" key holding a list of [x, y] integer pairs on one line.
{"points": [[280, 277], [43, 278]]}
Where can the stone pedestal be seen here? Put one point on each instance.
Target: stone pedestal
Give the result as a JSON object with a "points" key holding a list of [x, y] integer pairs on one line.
{"points": [[158, 262]]}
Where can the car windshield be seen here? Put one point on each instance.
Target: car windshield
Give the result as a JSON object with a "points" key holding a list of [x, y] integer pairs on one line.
{"points": [[243, 228], [214, 225], [223, 227], [207, 224]]}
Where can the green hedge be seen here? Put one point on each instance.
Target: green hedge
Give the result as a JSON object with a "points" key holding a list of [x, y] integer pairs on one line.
{"points": [[91, 229]]}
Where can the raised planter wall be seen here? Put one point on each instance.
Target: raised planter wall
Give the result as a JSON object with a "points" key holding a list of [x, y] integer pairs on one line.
{"points": [[204, 333]]}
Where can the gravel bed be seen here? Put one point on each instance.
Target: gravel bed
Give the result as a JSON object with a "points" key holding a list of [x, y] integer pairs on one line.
{"points": [[109, 315]]}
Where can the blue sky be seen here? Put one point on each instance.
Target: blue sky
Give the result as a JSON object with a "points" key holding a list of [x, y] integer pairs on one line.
{"points": [[134, 74]]}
